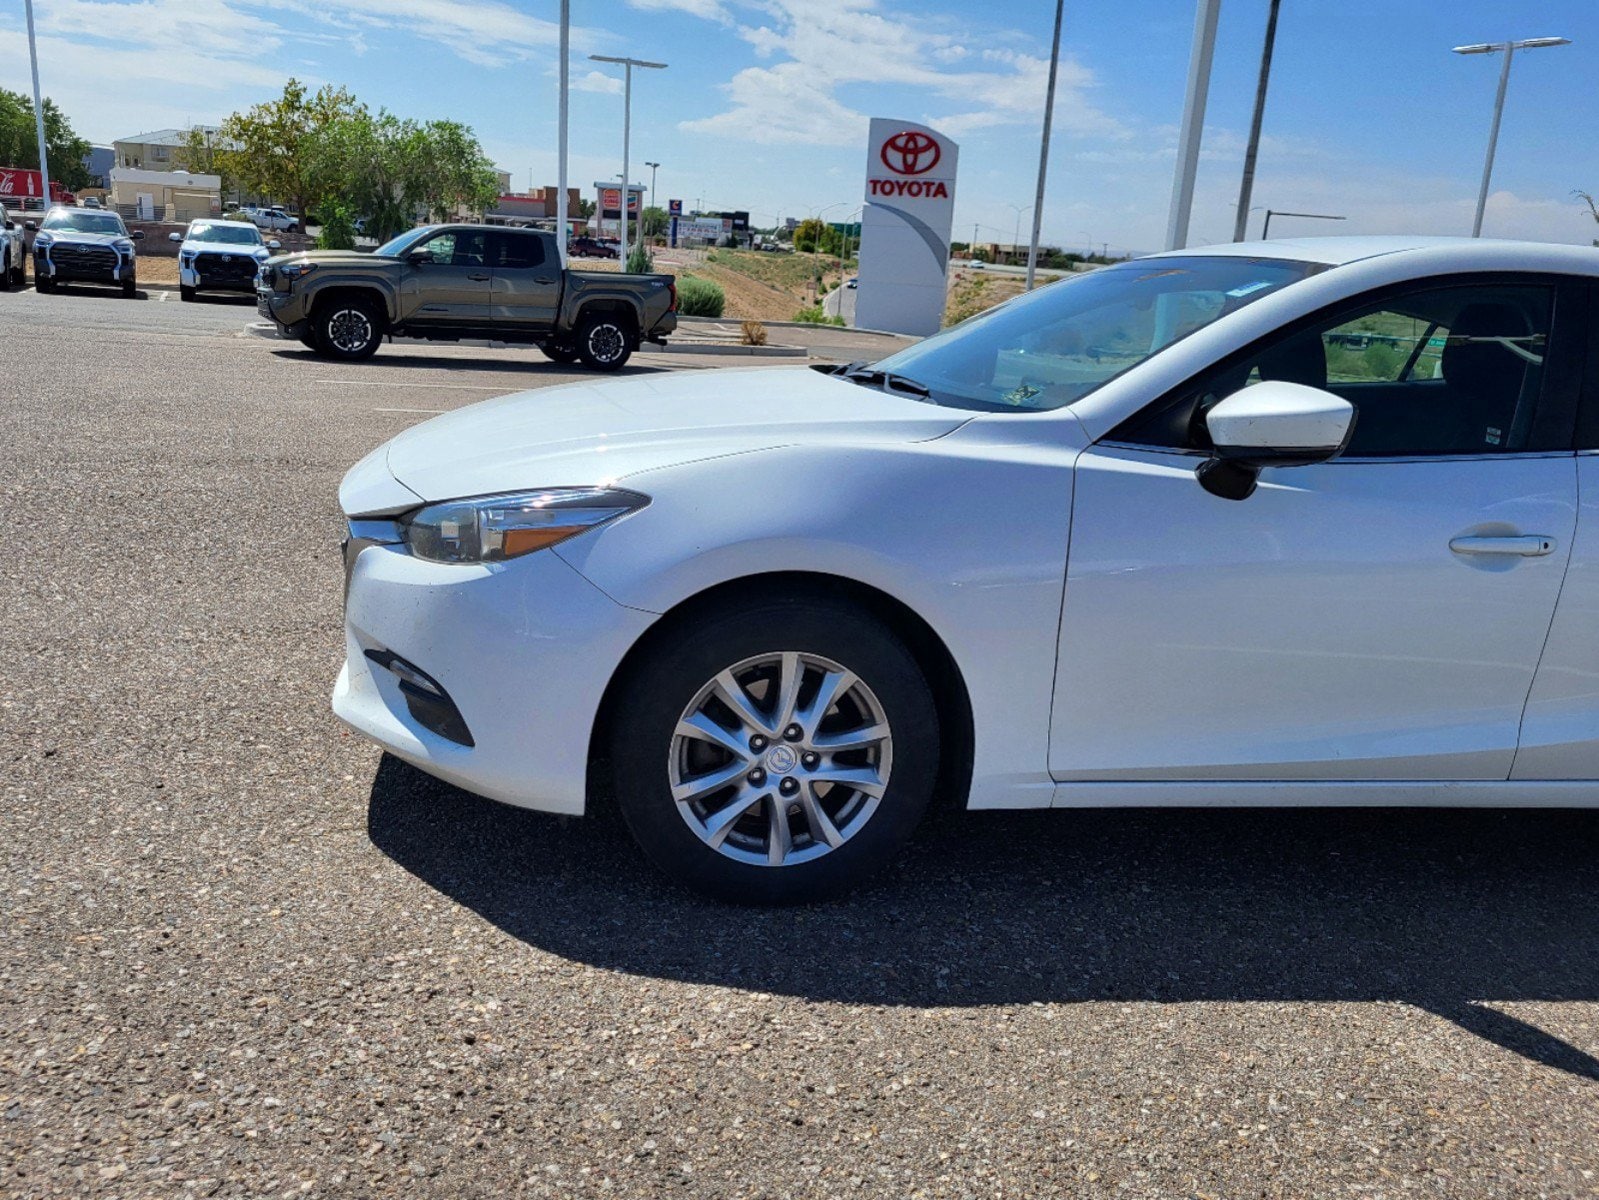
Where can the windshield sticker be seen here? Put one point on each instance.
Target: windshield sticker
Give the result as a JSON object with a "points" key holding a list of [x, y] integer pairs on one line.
{"points": [[1238, 293], [1020, 394]]}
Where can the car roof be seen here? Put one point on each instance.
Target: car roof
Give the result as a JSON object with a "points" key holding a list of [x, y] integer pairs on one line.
{"points": [[1463, 252], [220, 221]]}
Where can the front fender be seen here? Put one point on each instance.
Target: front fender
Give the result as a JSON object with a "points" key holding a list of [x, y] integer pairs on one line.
{"points": [[384, 289], [969, 534]]}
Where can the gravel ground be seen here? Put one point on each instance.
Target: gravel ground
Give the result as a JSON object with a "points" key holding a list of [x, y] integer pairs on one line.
{"points": [[245, 955]]}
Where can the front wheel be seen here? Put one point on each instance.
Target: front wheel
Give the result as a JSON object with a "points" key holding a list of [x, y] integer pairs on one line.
{"points": [[43, 283], [604, 343], [775, 752], [348, 330], [185, 293], [130, 289]]}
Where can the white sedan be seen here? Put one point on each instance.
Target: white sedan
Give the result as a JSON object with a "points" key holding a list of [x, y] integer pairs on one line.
{"points": [[1289, 523]]}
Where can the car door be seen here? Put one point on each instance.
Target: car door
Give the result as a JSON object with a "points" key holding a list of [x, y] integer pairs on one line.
{"points": [[1379, 616], [527, 280], [452, 282]]}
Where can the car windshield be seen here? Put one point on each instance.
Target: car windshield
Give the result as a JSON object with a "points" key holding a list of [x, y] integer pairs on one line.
{"points": [[1053, 347], [82, 220], [396, 247], [237, 235]]}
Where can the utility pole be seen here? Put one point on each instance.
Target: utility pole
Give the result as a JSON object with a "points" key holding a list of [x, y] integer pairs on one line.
{"points": [[560, 170], [1193, 127], [1241, 221], [654, 167], [627, 127], [1508, 49], [38, 111], [1043, 145]]}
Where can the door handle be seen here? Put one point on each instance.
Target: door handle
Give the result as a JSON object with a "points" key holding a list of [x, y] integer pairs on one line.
{"points": [[1531, 546], [542, 279], [478, 278]]}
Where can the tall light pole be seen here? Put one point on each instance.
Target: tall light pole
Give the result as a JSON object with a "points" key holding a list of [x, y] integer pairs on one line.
{"points": [[1265, 230], [1016, 236], [627, 126], [1252, 151], [38, 111], [654, 167], [560, 169], [1043, 145], [1508, 49], [1193, 126]]}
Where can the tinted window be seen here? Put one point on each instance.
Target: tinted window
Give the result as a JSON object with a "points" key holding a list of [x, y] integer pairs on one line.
{"points": [[516, 250], [1054, 346], [1451, 370], [84, 221], [237, 235]]}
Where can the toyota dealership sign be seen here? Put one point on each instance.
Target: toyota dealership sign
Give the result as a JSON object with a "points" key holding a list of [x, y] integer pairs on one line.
{"points": [[905, 227]]}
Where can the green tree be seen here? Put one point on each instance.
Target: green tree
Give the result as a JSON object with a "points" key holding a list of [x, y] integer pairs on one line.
{"points": [[448, 170], [653, 221], [585, 208], [19, 140], [201, 154], [268, 149]]}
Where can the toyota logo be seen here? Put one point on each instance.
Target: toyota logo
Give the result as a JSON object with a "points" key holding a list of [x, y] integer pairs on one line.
{"points": [[911, 153], [227, 258]]}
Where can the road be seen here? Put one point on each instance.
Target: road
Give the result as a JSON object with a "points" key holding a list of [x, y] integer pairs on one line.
{"points": [[245, 955]]}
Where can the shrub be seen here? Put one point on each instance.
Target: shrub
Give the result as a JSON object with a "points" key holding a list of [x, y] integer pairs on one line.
{"points": [[699, 297], [754, 333], [639, 260], [816, 315]]}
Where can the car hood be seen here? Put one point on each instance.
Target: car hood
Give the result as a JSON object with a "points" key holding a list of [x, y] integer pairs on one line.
{"points": [[233, 248], [89, 239], [339, 258], [596, 433]]}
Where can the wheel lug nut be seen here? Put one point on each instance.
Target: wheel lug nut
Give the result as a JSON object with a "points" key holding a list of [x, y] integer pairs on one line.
{"points": [[788, 787], [757, 777], [810, 758], [793, 733], [757, 743]]}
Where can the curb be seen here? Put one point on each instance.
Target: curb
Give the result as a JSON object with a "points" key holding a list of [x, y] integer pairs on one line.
{"points": [[262, 329]]}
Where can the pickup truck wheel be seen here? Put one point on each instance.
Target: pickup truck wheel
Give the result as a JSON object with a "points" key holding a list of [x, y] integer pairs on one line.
{"points": [[348, 330], [9, 278], [604, 343], [185, 293], [130, 289], [560, 354], [43, 283], [19, 274]]}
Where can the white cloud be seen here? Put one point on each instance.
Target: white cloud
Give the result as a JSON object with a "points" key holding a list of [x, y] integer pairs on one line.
{"points": [[598, 81], [697, 8], [824, 48]]}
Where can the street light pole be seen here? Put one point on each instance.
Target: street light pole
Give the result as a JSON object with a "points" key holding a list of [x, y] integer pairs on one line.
{"points": [[1043, 145], [1265, 231], [1252, 151], [38, 111], [1016, 236], [560, 136], [1508, 49], [1193, 126], [654, 167], [627, 127]]}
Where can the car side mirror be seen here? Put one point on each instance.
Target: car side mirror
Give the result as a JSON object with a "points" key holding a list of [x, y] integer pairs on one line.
{"points": [[419, 257], [31, 226], [274, 244], [175, 237], [1271, 424], [138, 235]]}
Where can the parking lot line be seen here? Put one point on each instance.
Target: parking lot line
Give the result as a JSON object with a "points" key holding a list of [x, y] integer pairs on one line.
{"points": [[411, 410], [383, 383]]}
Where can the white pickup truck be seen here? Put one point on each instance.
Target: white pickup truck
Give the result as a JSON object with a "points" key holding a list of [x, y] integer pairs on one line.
{"points": [[13, 252], [275, 219]]}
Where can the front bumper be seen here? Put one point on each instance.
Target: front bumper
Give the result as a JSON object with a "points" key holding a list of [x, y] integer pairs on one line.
{"points": [[524, 649], [193, 277], [44, 267]]}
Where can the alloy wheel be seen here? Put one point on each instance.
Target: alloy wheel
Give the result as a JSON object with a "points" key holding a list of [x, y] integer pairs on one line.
{"points": [[780, 759], [349, 330], [606, 343]]}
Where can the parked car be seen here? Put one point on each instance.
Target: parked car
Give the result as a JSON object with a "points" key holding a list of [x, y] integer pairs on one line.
{"points": [[448, 282], [90, 202], [852, 283], [79, 244], [1296, 575], [220, 256], [276, 219], [587, 247], [13, 253]]}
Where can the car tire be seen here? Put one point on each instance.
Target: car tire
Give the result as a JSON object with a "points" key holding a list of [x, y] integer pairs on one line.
{"points": [[560, 354], [185, 293], [308, 339], [130, 289], [679, 682], [348, 330], [19, 275], [43, 283], [604, 342]]}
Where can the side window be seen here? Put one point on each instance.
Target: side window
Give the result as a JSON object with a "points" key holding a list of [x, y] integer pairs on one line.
{"points": [[457, 248], [1438, 371], [516, 251]]}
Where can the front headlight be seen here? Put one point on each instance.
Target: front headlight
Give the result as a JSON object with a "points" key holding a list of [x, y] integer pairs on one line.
{"points": [[293, 270], [42, 239], [124, 244], [495, 528]]}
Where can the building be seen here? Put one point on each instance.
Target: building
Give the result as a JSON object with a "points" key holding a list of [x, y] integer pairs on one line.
{"points": [[171, 196], [98, 162], [158, 150], [536, 207]]}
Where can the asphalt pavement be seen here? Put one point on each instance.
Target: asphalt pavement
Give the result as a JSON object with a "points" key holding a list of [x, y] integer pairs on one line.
{"points": [[243, 954]]}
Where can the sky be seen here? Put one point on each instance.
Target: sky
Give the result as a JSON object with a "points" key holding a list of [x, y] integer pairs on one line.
{"points": [[764, 103]]}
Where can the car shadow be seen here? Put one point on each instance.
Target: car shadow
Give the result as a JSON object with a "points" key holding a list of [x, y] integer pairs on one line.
{"points": [[1448, 910], [416, 362], [227, 299]]}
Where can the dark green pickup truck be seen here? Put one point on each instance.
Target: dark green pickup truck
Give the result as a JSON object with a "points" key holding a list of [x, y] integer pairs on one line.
{"points": [[448, 282]]}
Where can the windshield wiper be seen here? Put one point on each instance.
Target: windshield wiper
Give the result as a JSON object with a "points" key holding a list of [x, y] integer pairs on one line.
{"points": [[888, 381]]}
